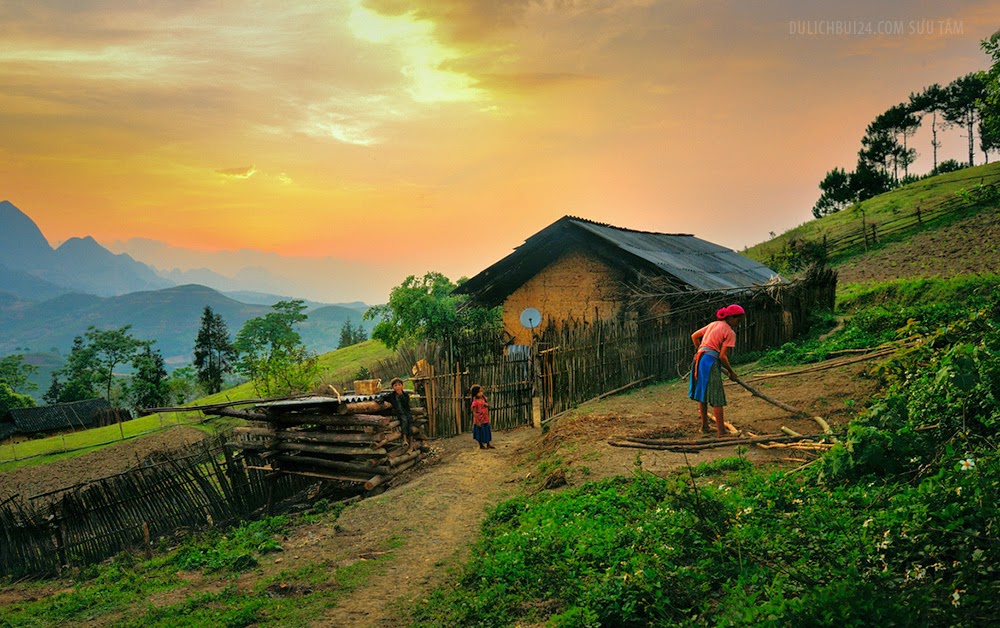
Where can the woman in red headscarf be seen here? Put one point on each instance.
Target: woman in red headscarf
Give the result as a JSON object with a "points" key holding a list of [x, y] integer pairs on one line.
{"points": [[713, 343]]}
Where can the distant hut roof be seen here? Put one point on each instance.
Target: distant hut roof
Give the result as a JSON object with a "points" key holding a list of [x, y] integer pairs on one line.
{"points": [[60, 416], [690, 262]]}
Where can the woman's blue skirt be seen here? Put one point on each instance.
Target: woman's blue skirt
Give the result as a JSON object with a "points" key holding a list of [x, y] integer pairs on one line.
{"points": [[706, 380]]}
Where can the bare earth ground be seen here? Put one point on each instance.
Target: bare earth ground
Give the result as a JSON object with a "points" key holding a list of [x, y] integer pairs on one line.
{"points": [[424, 526], [28, 481], [967, 247]]}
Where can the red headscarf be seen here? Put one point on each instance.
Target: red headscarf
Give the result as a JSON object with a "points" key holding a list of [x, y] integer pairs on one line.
{"points": [[729, 310]]}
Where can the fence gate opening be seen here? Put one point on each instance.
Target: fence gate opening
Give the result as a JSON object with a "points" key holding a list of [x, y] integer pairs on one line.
{"points": [[505, 371]]}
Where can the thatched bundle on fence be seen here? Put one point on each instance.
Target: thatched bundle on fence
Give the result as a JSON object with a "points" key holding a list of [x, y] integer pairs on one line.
{"points": [[352, 438]]}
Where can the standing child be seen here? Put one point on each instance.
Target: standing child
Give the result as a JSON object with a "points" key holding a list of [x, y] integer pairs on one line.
{"points": [[400, 401], [713, 343], [481, 431]]}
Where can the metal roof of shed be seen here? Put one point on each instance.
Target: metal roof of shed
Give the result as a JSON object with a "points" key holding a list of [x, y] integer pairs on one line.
{"points": [[60, 416], [699, 263], [692, 263]]}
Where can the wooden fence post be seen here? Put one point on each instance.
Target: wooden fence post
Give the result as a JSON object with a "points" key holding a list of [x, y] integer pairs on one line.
{"points": [[145, 538], [55, 526]]}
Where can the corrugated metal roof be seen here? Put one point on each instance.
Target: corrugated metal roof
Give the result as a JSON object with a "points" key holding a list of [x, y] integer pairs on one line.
{"points": [[692, 263], [58, 417], [698, 263], [317, 401]]}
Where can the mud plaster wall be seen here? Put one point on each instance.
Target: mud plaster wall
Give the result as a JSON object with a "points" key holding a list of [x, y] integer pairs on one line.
{"points": [[574, 286]]}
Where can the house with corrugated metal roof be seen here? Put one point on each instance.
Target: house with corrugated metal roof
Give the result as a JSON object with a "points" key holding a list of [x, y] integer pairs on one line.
{"points": [[74, 415], [577, 269]]}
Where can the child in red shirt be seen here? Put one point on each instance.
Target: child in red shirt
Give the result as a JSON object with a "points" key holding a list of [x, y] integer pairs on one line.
{"points": [[481, 431]]}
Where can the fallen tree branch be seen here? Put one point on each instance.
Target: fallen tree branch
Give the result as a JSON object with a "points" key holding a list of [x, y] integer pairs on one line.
{"points": [[784, 406], [829, 364], [705, 443]]}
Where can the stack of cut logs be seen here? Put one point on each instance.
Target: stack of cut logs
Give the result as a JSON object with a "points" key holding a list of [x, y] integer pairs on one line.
{"points": [[352, 438]]}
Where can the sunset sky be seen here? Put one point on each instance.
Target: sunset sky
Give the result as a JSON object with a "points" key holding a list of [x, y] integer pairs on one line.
{"points": [[381, 140]]}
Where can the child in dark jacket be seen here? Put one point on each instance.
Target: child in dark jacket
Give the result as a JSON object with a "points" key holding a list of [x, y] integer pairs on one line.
{"points": [[400, 401]]}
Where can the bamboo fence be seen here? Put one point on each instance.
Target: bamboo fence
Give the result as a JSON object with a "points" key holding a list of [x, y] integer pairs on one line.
{"points": [[579, 361], [484, 357], [203, 486]]}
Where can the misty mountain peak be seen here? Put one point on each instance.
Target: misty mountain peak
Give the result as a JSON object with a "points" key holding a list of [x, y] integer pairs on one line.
{"points": [[22, 245]]}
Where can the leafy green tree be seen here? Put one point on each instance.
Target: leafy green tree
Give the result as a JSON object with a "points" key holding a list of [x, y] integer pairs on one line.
{"points": [[90, 366], [10, 400], [948, 165], [868, 180], [109, 349], [964, 97], [182, 385], [425, 308], [149, 387], [80, 374], [15, 372], [902, 123], [837, 193], [54, 392], [878, 149], [930, 101], [271, 353], [351, 334], [213, 351]]}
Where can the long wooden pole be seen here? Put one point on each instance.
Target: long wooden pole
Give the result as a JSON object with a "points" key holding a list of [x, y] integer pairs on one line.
{"points": [[784, 406], [711, 443]]}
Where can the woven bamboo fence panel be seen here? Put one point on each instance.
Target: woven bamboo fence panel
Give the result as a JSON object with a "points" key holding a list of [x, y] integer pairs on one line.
{"points": [[207, 485]]}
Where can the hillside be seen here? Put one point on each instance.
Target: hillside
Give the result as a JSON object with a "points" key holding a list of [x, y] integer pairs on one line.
{"points": [[170, 316], [948, 236]]}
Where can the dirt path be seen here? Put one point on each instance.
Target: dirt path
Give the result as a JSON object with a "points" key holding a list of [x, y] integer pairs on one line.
{"points": [[436, 515], [434, 518]]}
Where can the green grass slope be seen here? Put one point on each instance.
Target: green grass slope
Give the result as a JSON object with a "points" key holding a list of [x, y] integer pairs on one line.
{"points": [[894, 215]]}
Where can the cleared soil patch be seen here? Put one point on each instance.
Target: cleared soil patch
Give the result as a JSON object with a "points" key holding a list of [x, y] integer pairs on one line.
{"points": [[28, 481], [664, 411], [970, 246]]}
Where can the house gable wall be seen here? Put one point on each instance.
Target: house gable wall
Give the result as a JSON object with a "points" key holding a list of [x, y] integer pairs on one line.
{"points": [[575, 286]]}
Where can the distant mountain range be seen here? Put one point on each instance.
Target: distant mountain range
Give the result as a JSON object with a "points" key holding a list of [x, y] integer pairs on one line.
{"points": [[170, 316], [48, 296], [31, 269]]}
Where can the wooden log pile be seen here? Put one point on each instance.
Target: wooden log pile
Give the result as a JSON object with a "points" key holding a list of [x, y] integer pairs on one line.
{"points": [[353, 438]]}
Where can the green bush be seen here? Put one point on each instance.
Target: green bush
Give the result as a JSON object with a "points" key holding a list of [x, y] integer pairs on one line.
{"points": [[235, 550]]}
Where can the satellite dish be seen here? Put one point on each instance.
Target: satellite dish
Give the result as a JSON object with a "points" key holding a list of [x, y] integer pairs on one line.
{"points": [[531, 317]]}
